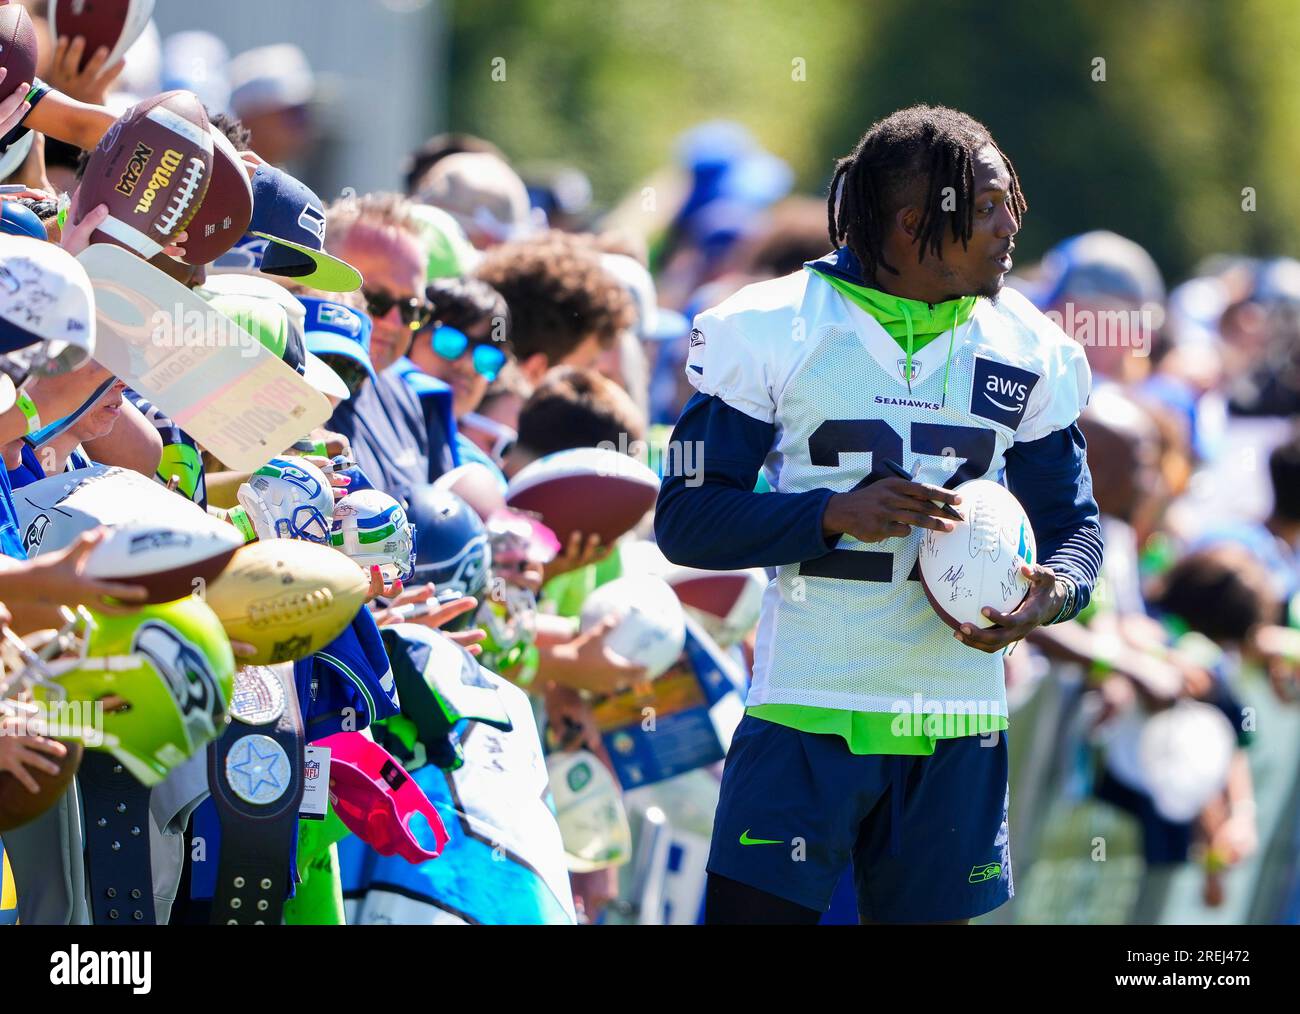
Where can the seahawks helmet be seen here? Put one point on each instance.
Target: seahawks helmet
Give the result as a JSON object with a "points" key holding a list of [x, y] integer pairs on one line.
{"points": [[373, 529], [162, 676], [451, 547], [288, 498]]}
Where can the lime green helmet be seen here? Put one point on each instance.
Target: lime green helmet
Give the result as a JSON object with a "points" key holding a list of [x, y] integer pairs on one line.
{"points": [[164, 675]]}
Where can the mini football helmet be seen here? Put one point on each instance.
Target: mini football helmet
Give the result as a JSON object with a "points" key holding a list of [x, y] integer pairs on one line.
{"points": [[158, 683], [288, 498], [373, 529]]}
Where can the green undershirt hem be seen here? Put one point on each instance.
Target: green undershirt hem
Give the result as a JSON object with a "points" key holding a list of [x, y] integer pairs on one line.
{"points": [[870, 732]]}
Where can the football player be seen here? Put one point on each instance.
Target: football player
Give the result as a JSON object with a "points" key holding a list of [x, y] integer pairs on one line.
{"points": [[899, 349]]}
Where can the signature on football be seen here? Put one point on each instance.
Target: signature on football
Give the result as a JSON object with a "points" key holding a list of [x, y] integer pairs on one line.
{"points": [[953, 575]]}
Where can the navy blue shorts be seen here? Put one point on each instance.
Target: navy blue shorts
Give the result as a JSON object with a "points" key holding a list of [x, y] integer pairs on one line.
{"points": [[927, 836]]}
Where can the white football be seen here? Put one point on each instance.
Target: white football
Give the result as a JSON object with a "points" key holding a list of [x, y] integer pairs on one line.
{"points": [[171, 562], [651, 628], [977, 564]]}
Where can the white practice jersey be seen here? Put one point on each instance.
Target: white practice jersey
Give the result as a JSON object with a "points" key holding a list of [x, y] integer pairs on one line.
{"points": [[853, 629]]}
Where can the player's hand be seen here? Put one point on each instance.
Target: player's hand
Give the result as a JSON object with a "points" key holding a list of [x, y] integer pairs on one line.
{"points": [[1041, 605], [15, 105], [888, 508], [22, 753], [581, 551], [86, 84]]}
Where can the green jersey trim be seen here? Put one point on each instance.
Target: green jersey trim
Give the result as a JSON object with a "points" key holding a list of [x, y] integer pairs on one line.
{"points": [[869, 732]]}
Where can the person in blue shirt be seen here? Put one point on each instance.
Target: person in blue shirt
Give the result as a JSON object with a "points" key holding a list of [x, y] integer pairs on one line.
{"points": [[392, 440], [453, 360]]}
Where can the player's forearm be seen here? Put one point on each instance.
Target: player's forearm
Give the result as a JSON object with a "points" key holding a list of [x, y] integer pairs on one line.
{"points": [[712, 518], [1051, 479]]}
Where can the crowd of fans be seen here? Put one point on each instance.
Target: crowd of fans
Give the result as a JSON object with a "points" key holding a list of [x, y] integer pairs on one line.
{"points": [[501, 320]]}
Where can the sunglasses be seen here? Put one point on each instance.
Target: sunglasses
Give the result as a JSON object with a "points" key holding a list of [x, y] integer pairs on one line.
{"points": [[451, 343], [414, 312]]}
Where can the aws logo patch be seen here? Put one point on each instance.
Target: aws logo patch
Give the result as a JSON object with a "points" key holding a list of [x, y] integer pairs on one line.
{"points": [[1001, 392]]}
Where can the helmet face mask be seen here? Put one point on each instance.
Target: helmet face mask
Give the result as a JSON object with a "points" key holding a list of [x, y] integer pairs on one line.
{"points": [[289, 499], [372, 529]]}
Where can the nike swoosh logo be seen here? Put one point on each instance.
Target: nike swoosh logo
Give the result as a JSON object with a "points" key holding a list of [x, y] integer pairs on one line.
{"points": [[745, 839]]}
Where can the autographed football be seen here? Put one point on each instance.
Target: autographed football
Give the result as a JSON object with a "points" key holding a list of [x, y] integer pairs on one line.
{"points": [[152, 168], [226, 209], [977, 564], [587, 489], [17, 48], [287, 598], [169, 560], [113, 24]]}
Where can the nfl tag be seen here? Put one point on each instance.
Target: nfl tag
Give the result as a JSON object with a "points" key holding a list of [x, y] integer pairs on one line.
{"points": [[316, 783]]}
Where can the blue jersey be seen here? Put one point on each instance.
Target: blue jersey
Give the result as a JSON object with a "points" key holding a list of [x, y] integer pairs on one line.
{"points": [[348, 684], [436, 399], [391, 436]]}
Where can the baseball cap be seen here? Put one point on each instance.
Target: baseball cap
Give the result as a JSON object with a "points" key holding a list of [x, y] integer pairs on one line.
{"points": [[481, 193], [379, 801], [1099, 263], [270, 77], [337, 330], [654, 322], [315, 371], [269, 322], [288, 214], [451, 254], [19, 220], [45, 296]]}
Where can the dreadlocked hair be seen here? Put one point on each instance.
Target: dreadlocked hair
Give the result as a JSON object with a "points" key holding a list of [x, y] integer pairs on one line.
{"points": [[933, 144]]}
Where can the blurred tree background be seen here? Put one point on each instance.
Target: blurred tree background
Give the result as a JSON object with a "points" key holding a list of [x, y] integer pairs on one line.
{"points": [[1149, 117]]}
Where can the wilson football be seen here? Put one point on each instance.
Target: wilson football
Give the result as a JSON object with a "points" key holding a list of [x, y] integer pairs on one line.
{"points": [[287, 598], [226, 209], [978, 563], [152, 168]]}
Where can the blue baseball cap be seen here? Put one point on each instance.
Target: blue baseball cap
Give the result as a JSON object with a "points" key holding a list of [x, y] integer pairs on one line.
{"points": [[332, 329], [292, 218], [19, 220]]}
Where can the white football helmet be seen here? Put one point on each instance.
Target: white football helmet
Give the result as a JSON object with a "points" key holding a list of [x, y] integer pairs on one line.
{"points": [[288, 498], [374, 530]]}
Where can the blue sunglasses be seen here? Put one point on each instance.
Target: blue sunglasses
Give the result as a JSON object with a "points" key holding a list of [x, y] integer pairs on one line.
{"points": [[451, 343]]}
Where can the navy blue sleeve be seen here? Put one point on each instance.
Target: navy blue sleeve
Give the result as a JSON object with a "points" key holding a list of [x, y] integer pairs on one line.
{"points": [[711, 518], [1050, 478]]}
